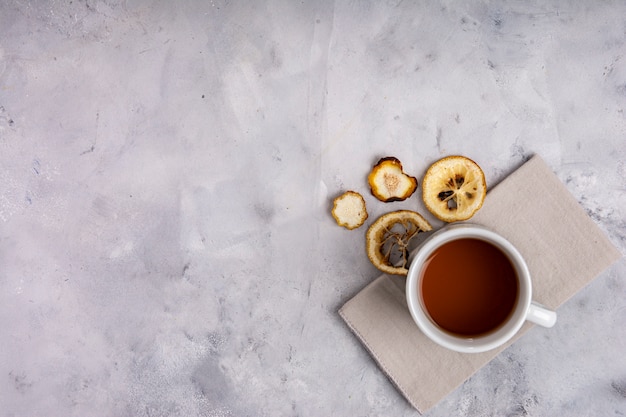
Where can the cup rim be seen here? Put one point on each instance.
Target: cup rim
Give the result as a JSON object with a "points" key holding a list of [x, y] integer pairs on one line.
{"points": [[481, 343]]}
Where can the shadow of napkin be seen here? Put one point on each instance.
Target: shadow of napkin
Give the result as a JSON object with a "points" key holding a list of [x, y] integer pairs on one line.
{"points": [[564, 250]]}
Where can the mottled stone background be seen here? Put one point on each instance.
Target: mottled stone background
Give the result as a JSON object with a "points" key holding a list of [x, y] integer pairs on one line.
{"points": [[166, 173]]}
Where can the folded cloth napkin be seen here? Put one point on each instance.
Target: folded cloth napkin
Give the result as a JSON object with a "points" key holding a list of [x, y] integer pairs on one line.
{"points": [[564, 250]]}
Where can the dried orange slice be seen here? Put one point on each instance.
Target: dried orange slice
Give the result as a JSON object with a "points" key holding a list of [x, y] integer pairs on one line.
{"points": [[389, 182], [387, 240], [349, 210], [454, 188]]}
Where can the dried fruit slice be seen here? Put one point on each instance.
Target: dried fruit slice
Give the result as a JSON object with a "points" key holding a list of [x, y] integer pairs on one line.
{"points": [[349, 210], [389, 182], [387, 240], [454, 188]]}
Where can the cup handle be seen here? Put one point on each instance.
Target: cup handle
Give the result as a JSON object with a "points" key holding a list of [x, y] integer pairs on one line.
{"points": [[540, 315]]}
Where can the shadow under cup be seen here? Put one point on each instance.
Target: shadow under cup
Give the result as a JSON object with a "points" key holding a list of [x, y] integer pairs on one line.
{"points": [[468, 288]]}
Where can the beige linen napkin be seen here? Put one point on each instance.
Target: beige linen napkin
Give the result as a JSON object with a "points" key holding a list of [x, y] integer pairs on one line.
{"points": [[564, 250]]}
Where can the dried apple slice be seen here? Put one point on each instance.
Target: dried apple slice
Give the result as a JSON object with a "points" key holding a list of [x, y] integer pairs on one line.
{"points": [[454, 188], [387, 240], [349, 210], [389, 182]]}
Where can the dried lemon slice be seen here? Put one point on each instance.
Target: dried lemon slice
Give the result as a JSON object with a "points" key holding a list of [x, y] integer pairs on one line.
{"points": [[387, 240], [349, 210], [389, 182], [454, 188]]}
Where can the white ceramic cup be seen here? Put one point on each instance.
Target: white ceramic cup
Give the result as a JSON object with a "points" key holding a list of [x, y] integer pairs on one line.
{"points": [[525, 308]]}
